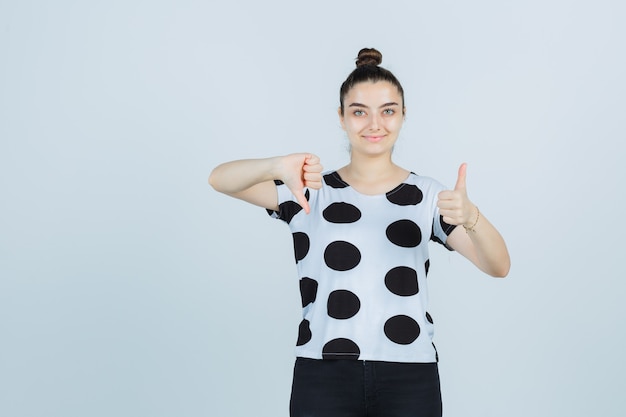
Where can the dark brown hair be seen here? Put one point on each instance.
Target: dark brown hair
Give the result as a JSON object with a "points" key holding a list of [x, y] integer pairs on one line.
{"points": [[368, 69]]}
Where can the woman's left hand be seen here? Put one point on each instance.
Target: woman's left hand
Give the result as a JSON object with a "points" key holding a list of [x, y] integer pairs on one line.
{"points": [[455, 206]]}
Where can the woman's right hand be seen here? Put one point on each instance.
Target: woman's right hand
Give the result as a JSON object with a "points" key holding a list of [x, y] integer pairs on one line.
{"points": [[300, 170], [252, 180]]}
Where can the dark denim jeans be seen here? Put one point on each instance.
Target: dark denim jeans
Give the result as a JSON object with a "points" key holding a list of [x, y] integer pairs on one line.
{"points": [[351, 388]]}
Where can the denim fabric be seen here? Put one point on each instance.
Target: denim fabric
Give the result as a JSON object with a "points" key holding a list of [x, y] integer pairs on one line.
{"points": [[354, 388]]}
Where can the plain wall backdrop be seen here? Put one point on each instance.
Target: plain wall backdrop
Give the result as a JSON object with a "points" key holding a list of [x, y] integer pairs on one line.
{"points": [[128, 287]]}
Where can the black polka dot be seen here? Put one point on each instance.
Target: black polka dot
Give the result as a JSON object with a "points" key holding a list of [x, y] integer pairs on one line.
{"points": [[343, 304], [402, 280], [288, 209], [429, 318], [402, 330], [341, 349], [404, 233], [301, 245], [342, 256], [405, 195], [333, 181], [304, 333], [342, 213], [308, 291]]}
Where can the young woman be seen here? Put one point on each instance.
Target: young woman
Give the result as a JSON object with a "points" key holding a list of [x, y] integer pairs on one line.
{"points": [[361, 238]]}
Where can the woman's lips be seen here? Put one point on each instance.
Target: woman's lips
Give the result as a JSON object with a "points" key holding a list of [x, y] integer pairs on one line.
{"points": [[373, 138]]}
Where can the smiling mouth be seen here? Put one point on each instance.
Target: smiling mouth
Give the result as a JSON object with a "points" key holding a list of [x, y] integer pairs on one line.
{"points": [[373, 139]]}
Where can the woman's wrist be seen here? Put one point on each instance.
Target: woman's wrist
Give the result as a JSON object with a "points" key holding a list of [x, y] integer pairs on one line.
{"points": [[470, 226], [274, 168]]}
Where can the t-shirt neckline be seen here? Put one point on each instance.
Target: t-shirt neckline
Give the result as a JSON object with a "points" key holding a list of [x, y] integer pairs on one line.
{"points": [[385, 194]]}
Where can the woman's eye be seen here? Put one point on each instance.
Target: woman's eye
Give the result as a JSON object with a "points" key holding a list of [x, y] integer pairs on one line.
{"points": [[359, 112], [389, 111]]}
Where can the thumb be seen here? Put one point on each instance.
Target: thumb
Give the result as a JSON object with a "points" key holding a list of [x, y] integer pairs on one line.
{"points": [[460, 181], [301, 199]]}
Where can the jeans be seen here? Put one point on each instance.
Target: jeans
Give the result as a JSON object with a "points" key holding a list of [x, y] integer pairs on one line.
{"points": [[354, 388]]}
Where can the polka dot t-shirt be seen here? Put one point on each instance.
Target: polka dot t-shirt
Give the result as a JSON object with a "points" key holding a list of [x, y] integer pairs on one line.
{"points": [[362, 262]]}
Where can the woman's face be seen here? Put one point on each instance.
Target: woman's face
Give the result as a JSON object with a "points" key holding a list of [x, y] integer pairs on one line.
{"points": [[373, 116]]}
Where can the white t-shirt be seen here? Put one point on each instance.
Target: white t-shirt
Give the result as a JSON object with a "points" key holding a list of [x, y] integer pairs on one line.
{"points": [[362, 261]]}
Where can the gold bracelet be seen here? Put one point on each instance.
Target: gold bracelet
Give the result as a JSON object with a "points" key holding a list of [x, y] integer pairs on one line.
{"points": [[471, 228]]}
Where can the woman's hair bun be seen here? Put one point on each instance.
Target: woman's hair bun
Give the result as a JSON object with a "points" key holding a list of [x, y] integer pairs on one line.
{"points": [[369, 56]]}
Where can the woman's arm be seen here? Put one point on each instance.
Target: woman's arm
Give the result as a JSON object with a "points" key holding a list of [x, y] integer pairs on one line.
{"points": [[478, 240], [483, 246], [252, 180]]}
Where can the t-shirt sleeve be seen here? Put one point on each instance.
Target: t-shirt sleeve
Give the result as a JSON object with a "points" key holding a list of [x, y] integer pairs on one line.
{"points": [[441, 229], [287, 205]]}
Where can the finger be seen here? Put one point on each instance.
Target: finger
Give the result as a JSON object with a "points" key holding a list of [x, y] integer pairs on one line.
{"points": [[451, 220], [447, 205], [316, 185], [312, 159], [448, 195], [312, 176], [460, 181], [451, 216], [313, 168]]}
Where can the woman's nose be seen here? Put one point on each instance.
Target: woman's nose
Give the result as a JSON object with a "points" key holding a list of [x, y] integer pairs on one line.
{"points": [[374, 122]]}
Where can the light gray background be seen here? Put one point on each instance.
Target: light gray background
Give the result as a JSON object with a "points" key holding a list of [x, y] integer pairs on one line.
{"points": [[130, 288]]}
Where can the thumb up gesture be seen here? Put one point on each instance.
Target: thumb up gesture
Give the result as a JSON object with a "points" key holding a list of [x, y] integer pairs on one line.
{"points": [[454, 205]]}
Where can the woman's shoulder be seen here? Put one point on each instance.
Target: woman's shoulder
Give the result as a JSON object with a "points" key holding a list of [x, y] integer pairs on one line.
{"points": [[425, 182], [415, 177]]}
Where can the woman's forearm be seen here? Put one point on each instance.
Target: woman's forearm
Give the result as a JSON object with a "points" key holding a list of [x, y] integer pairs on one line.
{"points": [[236, 176], [490, 249], [252, 180]]}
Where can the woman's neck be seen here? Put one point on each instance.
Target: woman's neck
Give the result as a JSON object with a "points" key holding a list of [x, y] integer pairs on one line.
{"points": [[373, 175]]}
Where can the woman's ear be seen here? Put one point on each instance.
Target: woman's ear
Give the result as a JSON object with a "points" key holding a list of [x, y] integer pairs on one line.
{"points": [[340, 113]]}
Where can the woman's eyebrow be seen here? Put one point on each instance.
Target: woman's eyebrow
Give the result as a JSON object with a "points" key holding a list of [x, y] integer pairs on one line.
{"points": [[392, 103]]}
